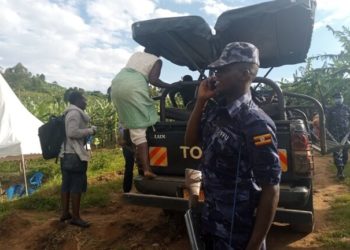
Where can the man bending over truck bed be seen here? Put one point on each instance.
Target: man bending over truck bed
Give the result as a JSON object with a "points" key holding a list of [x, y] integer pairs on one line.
{"points": [[240, 164], [136, 109]]}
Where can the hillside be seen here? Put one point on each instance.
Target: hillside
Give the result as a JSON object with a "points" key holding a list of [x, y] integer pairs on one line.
{"points": [[43, 99]]}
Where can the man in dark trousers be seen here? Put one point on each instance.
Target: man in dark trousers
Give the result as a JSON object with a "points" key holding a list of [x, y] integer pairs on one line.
{"points": [[338, 123], [240, 164], [129, 157]]}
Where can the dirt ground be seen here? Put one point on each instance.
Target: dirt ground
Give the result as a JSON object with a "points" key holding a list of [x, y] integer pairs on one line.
{"points": [[123, 226]]}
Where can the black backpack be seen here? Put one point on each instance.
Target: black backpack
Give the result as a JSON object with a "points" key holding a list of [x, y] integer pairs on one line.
{"points": [[51, 135]]}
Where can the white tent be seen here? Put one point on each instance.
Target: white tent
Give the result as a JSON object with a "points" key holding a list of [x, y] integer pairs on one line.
{"points": [[18, 127]]}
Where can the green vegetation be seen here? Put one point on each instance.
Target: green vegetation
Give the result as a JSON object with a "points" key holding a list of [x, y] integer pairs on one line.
{"points": [[338, 237], [43, 99], [101, 177], [322, 83], [4, 210], [331, 77]]}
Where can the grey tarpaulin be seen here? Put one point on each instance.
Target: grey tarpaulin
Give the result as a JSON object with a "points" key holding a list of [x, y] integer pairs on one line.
{"points": [[281, 30]]}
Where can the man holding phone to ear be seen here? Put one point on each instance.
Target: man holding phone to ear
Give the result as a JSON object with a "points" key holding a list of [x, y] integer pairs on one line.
{"points": [[240, 165]]}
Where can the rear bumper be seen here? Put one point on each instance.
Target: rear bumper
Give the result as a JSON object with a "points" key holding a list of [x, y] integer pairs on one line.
{"points": [[293, 216], [294, 196], [149, 200], [173, 203], [162, 185], [170, 186]]}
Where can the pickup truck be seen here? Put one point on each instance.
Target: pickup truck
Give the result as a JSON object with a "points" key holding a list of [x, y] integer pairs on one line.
{"points": [[282, 31]]}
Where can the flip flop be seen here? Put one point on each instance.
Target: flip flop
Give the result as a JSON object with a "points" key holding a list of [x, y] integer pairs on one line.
{"points": [[79, 223]]}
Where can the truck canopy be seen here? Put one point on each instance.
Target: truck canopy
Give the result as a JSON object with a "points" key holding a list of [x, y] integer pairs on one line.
{"points": [[280, 29]]}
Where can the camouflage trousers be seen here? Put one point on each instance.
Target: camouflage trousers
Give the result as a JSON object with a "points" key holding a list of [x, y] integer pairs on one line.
{"points": [[340, 157], [213, 242]]}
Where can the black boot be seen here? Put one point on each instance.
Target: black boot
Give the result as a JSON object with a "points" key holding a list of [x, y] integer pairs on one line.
{"points": [[340, 173]]}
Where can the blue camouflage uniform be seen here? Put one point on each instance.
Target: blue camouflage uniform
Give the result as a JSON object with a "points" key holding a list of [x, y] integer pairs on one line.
{"points": [[236, 138], [338, 123]]}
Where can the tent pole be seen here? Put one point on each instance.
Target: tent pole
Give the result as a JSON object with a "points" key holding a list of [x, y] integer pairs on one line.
{"points": [[24, 174], [20, 167]]}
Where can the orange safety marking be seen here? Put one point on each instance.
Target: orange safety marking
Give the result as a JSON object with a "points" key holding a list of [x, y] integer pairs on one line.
{"points": [[282, 153], [153, 151], [158, 156], [161, 159]]}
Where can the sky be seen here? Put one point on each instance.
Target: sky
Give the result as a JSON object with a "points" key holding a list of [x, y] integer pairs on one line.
{"points": [[84, 43]]}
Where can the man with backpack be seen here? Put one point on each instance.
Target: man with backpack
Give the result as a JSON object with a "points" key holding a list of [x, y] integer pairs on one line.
{"points": [[74, 158]]}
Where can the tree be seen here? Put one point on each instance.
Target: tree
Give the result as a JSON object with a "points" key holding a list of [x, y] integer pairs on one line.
{"points": [[333, 76], [18, 76], [44, 99]]}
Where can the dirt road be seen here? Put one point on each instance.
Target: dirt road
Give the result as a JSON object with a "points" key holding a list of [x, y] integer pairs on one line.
{"points": [[121, 226], [326, 188]]}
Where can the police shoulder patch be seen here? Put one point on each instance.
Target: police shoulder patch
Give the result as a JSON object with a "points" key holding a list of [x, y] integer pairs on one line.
{"points": [[261, 140]]}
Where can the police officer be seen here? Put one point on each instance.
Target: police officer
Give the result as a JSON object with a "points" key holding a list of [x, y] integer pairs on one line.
{"points": [[240, 165], [338, 123]]}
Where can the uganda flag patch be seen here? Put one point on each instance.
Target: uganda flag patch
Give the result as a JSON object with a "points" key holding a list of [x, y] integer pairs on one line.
{"points": [[261, 140]]}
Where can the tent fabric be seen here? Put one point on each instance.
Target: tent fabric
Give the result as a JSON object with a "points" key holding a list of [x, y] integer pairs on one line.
{"points": [[280, 29], [18, 127]]}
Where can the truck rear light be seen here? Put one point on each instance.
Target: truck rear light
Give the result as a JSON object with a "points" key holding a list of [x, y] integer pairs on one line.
{"points": [[301, 150], [300, 141], [302, 162]]}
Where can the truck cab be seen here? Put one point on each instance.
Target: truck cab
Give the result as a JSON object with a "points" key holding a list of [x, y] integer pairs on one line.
{"points": [[282, 32]]}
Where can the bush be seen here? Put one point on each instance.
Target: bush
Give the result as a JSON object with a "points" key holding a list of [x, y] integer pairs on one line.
{"points": [[100, 195], [39, 202], [4, 210], [45, 198], [49, 168], [106, 160], [9, 167]]}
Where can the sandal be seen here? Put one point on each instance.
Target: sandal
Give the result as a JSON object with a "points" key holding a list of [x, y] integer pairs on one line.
{"points": [[65, 217], [80, 223]]}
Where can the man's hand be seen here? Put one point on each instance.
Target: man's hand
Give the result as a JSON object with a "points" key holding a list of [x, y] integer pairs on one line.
{"points": [[206, 89], [94, 130], [264, 215]]}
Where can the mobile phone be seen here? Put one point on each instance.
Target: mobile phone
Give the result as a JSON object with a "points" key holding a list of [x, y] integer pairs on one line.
{"points": [[212, 83]]}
